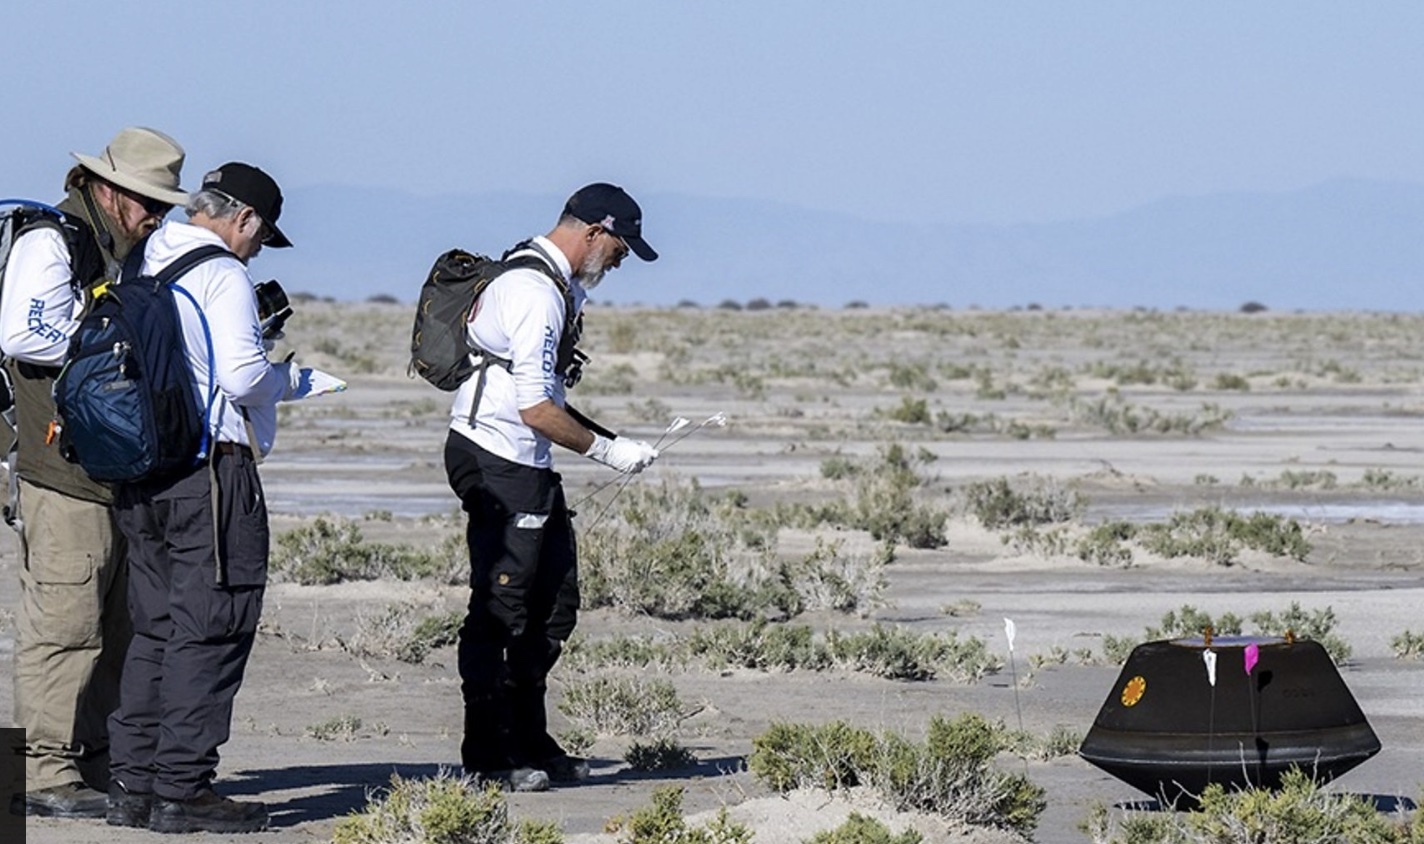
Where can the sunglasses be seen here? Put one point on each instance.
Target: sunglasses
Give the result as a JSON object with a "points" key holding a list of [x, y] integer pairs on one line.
{"points": [[156, 207], [622, 244]]}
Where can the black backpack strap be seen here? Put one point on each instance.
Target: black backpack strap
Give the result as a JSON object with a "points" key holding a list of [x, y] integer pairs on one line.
{"points": [[545, 263], [133, 262], [187, 261], [86, 264]]}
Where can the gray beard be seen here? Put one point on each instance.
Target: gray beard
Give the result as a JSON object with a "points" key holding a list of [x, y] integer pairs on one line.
{"points": [[592, 272]]}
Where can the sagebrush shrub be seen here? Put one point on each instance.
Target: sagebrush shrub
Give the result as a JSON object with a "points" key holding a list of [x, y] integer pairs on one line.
{"points": [[334, 550], [1299, 812], [951, 774], [662, 823], [859, 829], [445, 809], [615, 705]]}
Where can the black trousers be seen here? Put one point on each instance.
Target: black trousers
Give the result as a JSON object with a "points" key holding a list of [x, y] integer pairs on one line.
{"points": [[195, 592], [523, 606]]}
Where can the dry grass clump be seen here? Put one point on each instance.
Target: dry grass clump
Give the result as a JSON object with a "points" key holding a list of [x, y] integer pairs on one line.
{"points": [[403, 631], [1297, 813], [951, 774]]}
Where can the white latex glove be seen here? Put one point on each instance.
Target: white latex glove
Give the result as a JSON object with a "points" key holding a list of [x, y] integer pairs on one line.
{"points": [[292, 372], [627, 456]]}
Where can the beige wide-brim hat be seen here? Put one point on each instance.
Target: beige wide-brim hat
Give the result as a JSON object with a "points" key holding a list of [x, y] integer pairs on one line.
{"points": [[142, 160]]}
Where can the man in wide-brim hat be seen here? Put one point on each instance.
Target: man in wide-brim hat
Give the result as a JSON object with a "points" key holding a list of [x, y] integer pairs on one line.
{"points": [[73, 623]]}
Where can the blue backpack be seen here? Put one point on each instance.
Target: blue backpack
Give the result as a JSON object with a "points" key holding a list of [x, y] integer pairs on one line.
{"points": [[126, 397]]}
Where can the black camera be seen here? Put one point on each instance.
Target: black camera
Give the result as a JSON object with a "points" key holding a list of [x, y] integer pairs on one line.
{"points": [[273, 309]]}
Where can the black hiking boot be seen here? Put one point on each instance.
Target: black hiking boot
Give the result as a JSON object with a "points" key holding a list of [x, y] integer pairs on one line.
{"points": [[207, 813], [71, 800], [564, 769], [128, 808], [514, 779]]}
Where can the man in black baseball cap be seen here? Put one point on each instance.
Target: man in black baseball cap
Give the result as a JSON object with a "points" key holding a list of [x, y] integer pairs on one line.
{"points": [[499, 460], [610, 207], [255, 189]]}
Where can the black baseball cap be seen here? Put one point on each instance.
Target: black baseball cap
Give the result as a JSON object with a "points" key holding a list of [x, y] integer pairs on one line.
{"points": [[251, 186], [612, 208]]}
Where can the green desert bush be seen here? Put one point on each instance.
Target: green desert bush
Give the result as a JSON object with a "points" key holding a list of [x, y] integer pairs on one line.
{"points": [[624, 706], [911, 411], [334, 550], [1208, 532], [1220, 535], [1062, 741], [860, 829], [662, 823], [671, 551], [1299, 812], [951, 774], [886, 499], [675, 552], [1407, 645], [884, 651], [897, 654], [340, 728], [1188, 621], [444, 809], [403, 631], [1315, 625], [661, 754], [912, 376], [997, 504], [1117, 416], [1105, 544]]}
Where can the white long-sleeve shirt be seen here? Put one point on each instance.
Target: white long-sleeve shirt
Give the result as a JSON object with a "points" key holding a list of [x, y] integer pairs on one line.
{"points": [[245, 379], [520, 318], [39, 310]]}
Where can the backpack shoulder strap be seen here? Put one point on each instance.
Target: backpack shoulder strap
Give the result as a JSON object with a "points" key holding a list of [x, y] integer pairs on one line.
{"points": [[85, 264], [187, 261], [546, 264], [541, 260]]}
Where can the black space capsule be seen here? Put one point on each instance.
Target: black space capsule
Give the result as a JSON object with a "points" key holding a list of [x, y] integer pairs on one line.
{"points": [[1276, 704]]}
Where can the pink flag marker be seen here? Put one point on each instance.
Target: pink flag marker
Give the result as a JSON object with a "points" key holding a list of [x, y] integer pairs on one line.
{"points": [[1253, 654]]}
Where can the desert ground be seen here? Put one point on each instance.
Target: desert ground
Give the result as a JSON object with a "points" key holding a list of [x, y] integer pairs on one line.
{"points": [[1128, 416]]}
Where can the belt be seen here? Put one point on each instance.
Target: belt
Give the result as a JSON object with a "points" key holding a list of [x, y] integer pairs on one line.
{"points": [[225, 447]]}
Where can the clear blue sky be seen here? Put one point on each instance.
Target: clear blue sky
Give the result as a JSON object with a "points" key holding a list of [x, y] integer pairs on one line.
{"points": [[961, 112]]}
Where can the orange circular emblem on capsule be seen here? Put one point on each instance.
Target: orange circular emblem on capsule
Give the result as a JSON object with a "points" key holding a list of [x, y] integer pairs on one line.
{"points": [[1133, 691]]}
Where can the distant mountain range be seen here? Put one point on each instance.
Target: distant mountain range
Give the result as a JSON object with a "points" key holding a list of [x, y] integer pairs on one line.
{"points": [[1347, 244]]}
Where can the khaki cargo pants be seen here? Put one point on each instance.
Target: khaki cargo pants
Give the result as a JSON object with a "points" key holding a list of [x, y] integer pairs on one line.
{"points": [[71, 635]]}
